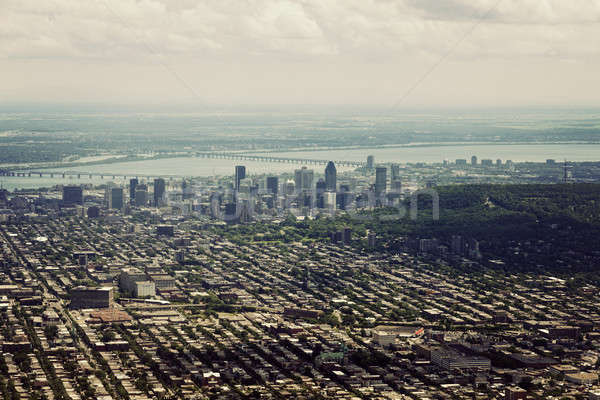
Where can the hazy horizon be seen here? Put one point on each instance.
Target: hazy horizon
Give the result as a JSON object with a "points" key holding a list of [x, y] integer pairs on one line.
{"points": [[381, 54]]}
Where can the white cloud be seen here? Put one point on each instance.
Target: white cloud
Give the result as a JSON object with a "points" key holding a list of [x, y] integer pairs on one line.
{"points": [[362, 36], [31, 28]]}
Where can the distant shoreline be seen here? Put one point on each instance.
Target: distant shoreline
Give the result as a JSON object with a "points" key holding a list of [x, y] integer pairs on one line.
{"points": [[120, 158], [412, 145]]}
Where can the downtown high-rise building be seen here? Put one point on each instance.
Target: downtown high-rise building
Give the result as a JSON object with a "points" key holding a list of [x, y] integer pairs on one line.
{"points": [[380, 180], [320, 189], [141, 195], [395, 180], [394, 172], [116, 199], [240, 173], [396, 185], [303, 179], [474, 160], [132, 188], [159, 192], [72, 195], [273, 185], [289, 187], [344, 197], [370, 162], [330, 177]]}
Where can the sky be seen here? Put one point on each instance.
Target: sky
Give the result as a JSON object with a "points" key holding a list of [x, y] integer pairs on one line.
{"points": [[383, 53]]}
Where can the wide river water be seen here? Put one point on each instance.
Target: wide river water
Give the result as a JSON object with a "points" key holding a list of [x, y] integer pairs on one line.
{"points": [[191, 166]]}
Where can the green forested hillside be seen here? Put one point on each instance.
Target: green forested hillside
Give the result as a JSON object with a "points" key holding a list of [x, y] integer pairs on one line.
{"points": [[531, 227]]}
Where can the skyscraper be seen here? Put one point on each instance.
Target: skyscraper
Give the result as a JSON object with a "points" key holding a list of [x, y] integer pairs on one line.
{"points": [[289, 187], [159, 192], [474, 160], [303, 178], [370, 162], [240, 173], [330, 177], [116, 198], [396, 185], [321, 188], [141, 195], [72, 195], [273, 185], [344, 197], [132, 187], [187, 191], [395, 172], [380, 180]]}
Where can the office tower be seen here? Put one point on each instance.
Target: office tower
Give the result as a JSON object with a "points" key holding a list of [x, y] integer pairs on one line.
{"points": [[245, 212], [395, 171], [159, 192], [461, 161], [329, 200], [238, 212], [132, 187], [370, 162], [115, 200], [91, 297], [72, 195], [141, 195], [244, 185], [396, 185], [486, 162], [303, 178], [330, 177], [273, 185], [344, 197], [289, 187], [380, 180], [269, 201], [321, 188], [474, 160], [498, 162], [240, 173], [187, 190]]}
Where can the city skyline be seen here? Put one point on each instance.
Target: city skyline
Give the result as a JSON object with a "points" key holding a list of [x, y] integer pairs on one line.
{"points": [[299, 199]]}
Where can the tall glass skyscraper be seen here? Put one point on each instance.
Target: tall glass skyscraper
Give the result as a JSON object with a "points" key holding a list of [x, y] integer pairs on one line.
{"points": [[159, 192], [330, 177], [240, 173]]}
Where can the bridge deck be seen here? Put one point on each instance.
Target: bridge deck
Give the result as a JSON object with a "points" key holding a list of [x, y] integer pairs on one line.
{"points": [[208, 155]]}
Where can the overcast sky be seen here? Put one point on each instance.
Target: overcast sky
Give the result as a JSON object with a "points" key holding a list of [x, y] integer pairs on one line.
{"points": [[346, 52]]}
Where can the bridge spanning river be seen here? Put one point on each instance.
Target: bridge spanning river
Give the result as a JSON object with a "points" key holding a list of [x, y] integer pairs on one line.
{"points": [[56, 173], [80, 174], [269, 158]]}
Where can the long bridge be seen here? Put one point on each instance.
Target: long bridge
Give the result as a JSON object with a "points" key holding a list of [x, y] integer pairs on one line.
{"points": [[208, 155], [79, 174], [269, 158]]}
